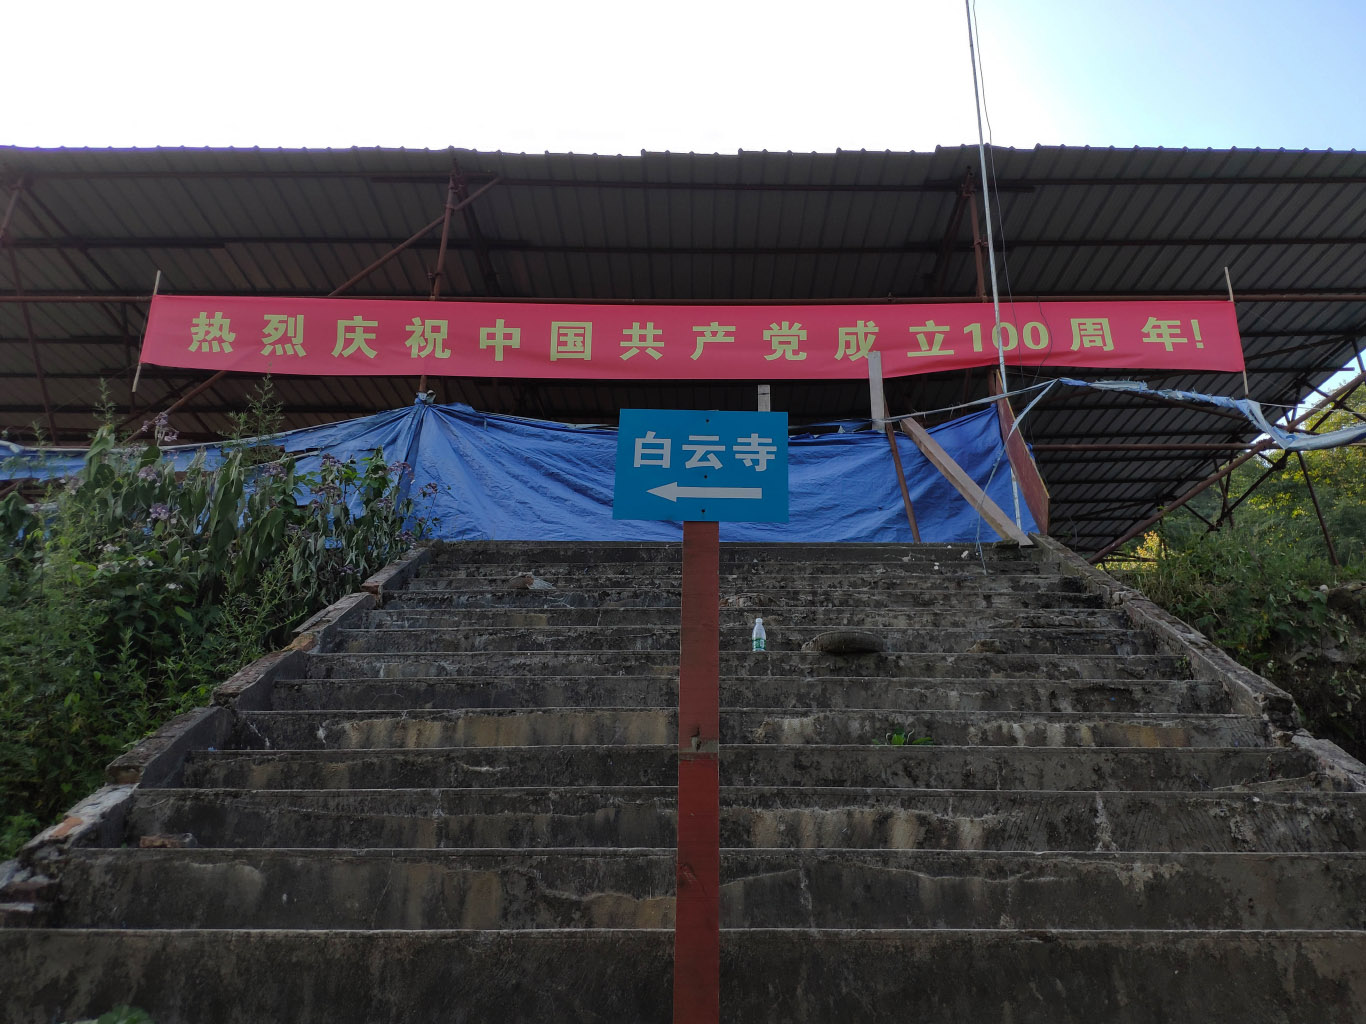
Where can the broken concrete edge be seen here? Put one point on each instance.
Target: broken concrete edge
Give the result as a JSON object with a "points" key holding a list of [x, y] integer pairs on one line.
{"points": [[320, 631], [1340, 769], [399, 572], [1250, 693], [249, 688], [159, 758], [28, 881]]}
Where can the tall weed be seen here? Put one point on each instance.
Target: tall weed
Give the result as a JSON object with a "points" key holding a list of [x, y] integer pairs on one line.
{"points": [[129, 591]]}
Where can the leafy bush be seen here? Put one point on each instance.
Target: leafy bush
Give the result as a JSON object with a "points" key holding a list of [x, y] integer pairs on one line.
{"points": [[132, 589], [1264, 589]]}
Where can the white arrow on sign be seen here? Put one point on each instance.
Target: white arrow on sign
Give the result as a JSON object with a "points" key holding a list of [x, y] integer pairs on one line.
{"points": [[672, 491]]}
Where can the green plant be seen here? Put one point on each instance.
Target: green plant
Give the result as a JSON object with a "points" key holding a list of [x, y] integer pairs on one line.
{"points": [[906, 738], [132, 589]]}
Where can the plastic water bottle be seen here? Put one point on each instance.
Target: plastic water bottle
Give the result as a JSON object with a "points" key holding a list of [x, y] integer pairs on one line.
{"points": [[759, 637]]}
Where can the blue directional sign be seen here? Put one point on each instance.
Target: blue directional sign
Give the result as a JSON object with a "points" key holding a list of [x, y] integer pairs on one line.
{"points": [[702, 466]]}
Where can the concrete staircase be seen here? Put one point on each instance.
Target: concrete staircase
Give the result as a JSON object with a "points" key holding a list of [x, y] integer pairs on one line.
{"points": [[460, 806]]}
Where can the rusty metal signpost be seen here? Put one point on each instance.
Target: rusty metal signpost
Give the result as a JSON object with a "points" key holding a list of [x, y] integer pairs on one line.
{"points": [[703, 468]]}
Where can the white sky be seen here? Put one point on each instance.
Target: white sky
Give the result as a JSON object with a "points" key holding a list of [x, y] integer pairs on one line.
{"points": [[606, 76]]}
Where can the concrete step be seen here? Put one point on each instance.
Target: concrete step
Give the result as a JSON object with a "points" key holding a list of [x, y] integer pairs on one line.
{"points": [[1062, 594], [558, 570], [317, 730], [1158, 696], [797, 581], [744, 664], [802, 816], [578, 552], [914, 767], [608, 888], [801, 976], [909, 639], [735, 618]]}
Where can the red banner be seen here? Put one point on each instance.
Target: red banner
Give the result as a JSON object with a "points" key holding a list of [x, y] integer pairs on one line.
{"points": [[393, 337]]}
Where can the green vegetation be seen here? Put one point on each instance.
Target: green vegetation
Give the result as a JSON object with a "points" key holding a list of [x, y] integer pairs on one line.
{"points": [[1263, 586], [130, 591]]}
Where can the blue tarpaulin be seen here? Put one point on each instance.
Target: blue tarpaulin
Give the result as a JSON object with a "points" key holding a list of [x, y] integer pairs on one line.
{"points": [[507, 478]]}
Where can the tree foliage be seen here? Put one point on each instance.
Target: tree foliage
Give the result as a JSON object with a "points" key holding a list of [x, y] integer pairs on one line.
{"points": [[1263, 586]]}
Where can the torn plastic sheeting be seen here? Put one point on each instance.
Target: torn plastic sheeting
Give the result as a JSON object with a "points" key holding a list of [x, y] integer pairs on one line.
{"points": [[1286, 440]]}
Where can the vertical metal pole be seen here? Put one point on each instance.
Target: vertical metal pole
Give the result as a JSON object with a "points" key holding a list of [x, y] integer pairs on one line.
{"points": [[440, 272], [765, 398], [697, 899], [33, 351], [1304, 468]]}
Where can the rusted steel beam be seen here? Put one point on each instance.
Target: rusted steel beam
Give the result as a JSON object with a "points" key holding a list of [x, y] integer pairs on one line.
{"points": [[949, 244], [438, 273], [179, 402], [39, 298], [11, 206], [979, 245], [1027, 474], [1256, 449], [481, 249], [407, 243], [1335, 401], [943, 249], [1313, 496]]}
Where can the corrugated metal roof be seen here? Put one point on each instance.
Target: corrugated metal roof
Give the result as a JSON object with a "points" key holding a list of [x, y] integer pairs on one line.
{"points": [[674, 227]]}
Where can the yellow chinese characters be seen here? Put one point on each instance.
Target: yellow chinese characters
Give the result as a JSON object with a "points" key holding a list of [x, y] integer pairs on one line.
{"points": [[428, 338], [785, 339], [1092, 332], [499, 337], [570, 340], [353, 336], [1167, 333], [712, 332], [636, 339], [282, 335], [211, 333], [930, 337], [857, 341]]}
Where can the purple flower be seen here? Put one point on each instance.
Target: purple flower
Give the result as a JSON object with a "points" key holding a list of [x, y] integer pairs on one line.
{"points": [[171, 436], [159, 512], [429, 490], [147, 473], [348, 570], [330, 460], [273, 469]]}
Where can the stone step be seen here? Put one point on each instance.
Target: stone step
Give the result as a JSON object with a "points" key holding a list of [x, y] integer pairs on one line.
{"points": [[777, 617], [578, 552], [746, 664], [913, 767], [1057, 594], [517, 727], [945, 584], [801, 816], [608, 888], [1157, 696], [801, 976], [559, 571], [894, 639]]}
